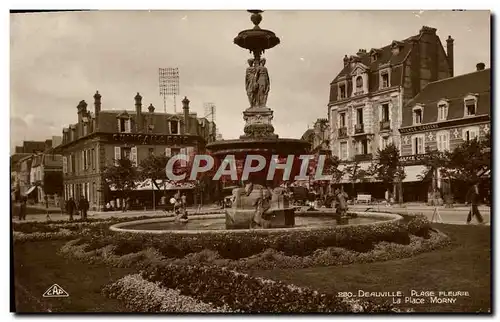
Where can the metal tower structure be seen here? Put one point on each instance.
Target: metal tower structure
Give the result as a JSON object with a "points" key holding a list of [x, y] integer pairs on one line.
{"points": [[169, 85]]}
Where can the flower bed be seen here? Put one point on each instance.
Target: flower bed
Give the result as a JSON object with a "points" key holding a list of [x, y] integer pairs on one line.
{"points": [[140, 295], [268, 259], [241, 292]]}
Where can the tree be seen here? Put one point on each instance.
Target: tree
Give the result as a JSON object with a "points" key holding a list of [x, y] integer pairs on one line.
{"points": [[122, 175], [153, 168], [388, 169], [469, 161], [356, 174]]}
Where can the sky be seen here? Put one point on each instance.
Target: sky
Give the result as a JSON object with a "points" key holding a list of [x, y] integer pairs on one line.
{"points": [[59, 59]]}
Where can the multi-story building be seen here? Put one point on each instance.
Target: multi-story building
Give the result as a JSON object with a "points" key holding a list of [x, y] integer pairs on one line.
{"points": [[318, 136], [21, 162], [368, 95], [98, 138], [46, 175], [442, 116]]}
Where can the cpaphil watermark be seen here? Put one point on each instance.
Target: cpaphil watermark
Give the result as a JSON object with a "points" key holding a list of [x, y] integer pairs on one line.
{"points": [[253, 163]]}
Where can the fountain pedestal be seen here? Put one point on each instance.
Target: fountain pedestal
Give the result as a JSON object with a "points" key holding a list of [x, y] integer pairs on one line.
{"points": [[258, 123], [243, 212], [250, 208]]}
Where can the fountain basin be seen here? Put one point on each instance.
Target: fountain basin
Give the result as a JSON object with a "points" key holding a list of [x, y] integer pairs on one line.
{"points": [[216, 224]]}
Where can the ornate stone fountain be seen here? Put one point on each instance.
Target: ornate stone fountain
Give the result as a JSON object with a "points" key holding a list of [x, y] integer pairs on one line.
{"points": [[260, 204]]}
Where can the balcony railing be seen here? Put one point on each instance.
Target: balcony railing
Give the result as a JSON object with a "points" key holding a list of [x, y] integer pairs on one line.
{"points": [[359, 128], [385, 125], [363, 157], [342, 132]]}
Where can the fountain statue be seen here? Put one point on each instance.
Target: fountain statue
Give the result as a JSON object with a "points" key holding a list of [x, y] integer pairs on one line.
{"points": [[260, 204]]}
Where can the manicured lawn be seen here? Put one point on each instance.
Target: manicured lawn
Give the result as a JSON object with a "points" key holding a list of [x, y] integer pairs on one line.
{"points": [[464, 266], [37, 266]]}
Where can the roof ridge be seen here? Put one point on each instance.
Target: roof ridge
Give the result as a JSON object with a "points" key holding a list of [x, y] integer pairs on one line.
{"points": [[458, 76]]}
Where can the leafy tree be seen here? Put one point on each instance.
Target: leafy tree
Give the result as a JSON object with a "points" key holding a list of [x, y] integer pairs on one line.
{"points": [[468, 161], [356, 174], [153, 168], [388, 168], [122, 175]]}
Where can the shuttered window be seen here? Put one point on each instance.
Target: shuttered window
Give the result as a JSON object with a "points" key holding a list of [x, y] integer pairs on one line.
{"points": [[117, 154]]}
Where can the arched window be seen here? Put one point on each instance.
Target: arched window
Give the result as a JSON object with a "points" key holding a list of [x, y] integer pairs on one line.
{"points": [[359, 84]]}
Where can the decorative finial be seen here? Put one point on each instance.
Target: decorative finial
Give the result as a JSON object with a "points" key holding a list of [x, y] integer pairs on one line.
{"points": [[256, 17], [97, 95], [151, 108]]}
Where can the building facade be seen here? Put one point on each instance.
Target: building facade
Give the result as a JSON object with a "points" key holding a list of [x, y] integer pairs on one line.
{"points": [[46, 176], [22, 174], [318, 136], [99, 138], [444, 115], [367, 96]]}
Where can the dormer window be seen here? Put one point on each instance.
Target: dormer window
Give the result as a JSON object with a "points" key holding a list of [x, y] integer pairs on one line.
{"points": [[442, 110], [174, 127], [124, 122], [417, 115], [124, 125], [396, 47], [374, 58], [342, 91], [385, 79], [359, 84], [470, 105]]}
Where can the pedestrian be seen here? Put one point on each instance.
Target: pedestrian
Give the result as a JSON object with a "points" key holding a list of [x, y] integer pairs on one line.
{"points": [[184, 201], [70, 208], [472, 197], [22, 208], [83, 206]]}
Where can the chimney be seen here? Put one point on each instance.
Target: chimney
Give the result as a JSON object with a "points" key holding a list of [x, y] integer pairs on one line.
{"points": [[449, 54], [428, 30], [97, 108], [82, 110], [138, 112], [185, 108], [346, 60], [361, 52], [480, 66]]}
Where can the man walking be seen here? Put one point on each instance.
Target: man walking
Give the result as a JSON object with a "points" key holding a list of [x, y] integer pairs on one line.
{"points": [[472, 197], [83, 206], [70, 208]]}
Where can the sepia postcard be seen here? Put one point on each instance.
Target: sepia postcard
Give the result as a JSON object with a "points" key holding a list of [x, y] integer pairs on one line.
{"points": [[251, 161]]}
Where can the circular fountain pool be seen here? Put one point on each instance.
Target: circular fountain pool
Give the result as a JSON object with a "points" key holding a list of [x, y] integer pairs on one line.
{"points": [[216, 223]]}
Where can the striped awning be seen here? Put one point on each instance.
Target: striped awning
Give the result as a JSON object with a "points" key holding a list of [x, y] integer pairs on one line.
{"points": [[148, 185], [414, 173]]}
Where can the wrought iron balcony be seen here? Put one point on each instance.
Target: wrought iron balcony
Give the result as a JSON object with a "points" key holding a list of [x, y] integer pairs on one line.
{"points": [[385, 125], [359, 128], [342, 132], [363, 157]]}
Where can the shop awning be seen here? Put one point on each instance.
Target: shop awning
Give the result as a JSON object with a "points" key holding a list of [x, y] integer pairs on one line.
{"points": [[148, 185], [414, 173], [346, 178], [484, 173], [30, 190]]}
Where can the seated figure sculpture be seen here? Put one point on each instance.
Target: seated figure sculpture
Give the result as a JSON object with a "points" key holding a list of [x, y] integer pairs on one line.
{"points": [[256, 206]]}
